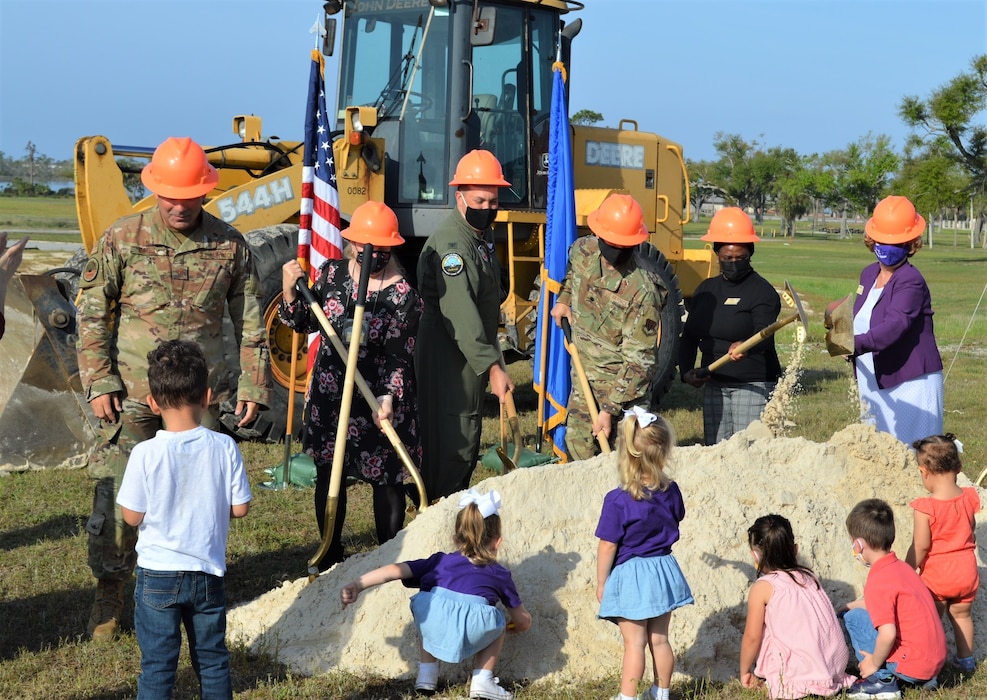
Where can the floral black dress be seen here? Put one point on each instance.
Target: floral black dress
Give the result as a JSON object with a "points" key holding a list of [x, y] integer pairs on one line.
{"points": [[386, 362]]}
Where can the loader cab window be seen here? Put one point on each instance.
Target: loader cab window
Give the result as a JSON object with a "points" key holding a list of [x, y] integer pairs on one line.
{"points": [[512, 96], [397, 60]]}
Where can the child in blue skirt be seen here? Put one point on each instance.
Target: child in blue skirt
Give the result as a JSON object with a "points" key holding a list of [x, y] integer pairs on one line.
{"points": [[455, 610], [639, 583]]}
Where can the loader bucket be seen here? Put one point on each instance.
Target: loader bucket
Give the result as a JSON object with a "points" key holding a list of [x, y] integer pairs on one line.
{"points": [[45, 421]]}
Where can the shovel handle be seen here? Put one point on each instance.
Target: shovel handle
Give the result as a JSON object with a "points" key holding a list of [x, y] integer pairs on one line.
{"points": [[515, 424], [329, 333], [791, 299], [753, 341], [584, 383], [342, 427]]}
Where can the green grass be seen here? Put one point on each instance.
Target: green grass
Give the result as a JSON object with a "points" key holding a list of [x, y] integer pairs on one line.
{"points": [[46, 588], [38, 213]]}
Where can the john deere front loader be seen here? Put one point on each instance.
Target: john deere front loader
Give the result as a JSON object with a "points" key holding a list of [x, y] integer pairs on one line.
{"points": [[420, 83]]}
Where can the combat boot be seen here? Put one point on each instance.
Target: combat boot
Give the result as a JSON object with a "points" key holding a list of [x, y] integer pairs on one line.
{"points": [[105, 614]]}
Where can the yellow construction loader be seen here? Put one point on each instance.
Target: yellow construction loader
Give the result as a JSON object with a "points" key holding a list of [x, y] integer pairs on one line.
{"points": [[420, 83]]}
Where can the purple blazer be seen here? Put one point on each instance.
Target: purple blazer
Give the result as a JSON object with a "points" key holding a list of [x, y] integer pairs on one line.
{"points": [[900, 335]]}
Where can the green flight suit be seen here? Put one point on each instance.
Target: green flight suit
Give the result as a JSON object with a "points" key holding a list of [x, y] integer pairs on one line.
{"points": [[459, 281]]}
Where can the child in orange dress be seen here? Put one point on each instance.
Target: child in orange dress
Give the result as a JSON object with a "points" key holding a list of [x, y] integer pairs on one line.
{"points": [[943, 545]]}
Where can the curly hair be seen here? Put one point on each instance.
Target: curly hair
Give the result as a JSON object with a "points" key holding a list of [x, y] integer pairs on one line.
{"points": [[939, 454]]}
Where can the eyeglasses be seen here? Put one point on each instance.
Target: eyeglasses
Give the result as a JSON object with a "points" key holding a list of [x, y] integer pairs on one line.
{"points": [[733, 258]]}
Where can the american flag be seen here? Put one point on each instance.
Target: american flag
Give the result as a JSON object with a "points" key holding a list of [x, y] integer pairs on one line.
{"points": [[319, 223]]}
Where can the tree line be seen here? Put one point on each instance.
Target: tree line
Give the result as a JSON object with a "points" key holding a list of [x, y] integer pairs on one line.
{"points": [[31, 174], [942, 168]]}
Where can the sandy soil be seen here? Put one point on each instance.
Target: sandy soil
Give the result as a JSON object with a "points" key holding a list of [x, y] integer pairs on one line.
{"points": [[550, 515]]}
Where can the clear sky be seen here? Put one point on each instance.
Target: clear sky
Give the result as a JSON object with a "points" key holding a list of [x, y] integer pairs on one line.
{"points": [[813, 75]]}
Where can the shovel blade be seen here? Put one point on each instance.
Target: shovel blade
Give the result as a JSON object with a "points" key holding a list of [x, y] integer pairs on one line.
{"points": [[508, 463]]}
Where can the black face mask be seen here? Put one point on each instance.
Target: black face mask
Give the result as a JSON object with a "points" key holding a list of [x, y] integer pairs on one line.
{"points": [[735, 270], [480, 219], [378, 261], [614, 255]]}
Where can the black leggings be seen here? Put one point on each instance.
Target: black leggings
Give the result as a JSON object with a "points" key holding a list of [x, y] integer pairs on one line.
{"points": [[388, 503]]}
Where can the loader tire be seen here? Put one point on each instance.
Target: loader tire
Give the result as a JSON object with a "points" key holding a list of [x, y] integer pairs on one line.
{"points": [[271, 247], [667, 351]]}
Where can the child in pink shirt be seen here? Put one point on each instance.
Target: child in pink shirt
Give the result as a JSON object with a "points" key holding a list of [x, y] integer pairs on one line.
{"points": [[791, 628]]}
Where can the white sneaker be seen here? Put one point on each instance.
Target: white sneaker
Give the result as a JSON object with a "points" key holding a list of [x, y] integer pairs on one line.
{"points": [[425, 687], [489, 690]]}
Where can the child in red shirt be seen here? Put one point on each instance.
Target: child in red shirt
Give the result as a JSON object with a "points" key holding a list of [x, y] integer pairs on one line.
{"points": [[895, 630], [943, 544]]}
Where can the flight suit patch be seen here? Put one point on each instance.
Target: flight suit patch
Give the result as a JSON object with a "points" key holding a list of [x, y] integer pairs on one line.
{"points": [[91, 270], [452, 264]]}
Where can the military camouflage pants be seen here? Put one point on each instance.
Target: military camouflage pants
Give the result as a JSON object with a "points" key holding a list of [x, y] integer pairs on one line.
{"points": [[579, 440], [111, 541]]}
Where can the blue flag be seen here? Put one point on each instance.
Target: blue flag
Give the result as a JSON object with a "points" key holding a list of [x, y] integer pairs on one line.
{"points": [[552, 380]]}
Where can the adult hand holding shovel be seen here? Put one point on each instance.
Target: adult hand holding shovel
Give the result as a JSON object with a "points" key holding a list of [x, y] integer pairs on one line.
{"points": [[381, 410], [373, 223], [342, 428], [601, 424], [737, 349]]}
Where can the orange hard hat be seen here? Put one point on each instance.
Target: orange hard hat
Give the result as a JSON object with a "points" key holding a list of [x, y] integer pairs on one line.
{"points": [[894, 221], [179, 170], [479, 167], [619, 221], [374, 223], [731, 225]]}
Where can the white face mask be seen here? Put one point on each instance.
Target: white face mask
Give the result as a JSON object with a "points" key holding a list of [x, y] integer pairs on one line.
{"points": [[859, 556]]}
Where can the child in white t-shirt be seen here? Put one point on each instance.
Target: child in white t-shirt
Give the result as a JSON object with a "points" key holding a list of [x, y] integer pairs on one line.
{"points": [[180, 490]]}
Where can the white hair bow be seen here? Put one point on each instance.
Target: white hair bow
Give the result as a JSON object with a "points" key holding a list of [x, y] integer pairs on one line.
{"points": [[488, 503], [644, 419], [959, 445]]}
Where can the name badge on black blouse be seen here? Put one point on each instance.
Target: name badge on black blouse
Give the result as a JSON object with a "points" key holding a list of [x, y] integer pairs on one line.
{"points": [[348, 331]]}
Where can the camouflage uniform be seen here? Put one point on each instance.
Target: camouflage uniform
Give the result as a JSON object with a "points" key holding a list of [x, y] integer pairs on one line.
{"points": [[615, 325], [145, 283], [459, 281]]}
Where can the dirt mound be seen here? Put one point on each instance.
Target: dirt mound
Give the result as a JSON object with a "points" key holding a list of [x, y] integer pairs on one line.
{"points": [[550, 514]]}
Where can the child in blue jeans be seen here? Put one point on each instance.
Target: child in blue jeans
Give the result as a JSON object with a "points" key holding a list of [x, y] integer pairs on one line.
{"points": [[180, 490], [895, 630]]}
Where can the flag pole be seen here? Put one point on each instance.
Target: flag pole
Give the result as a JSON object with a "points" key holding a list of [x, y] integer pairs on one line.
{"points": [[289, 423], [542, 332]]}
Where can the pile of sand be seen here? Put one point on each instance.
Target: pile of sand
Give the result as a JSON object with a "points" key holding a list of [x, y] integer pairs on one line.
{"points": [[549, 516]]}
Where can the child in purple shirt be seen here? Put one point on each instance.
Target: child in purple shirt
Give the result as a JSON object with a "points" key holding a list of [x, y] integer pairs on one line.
{"points": [[455, 610], [639, 582]]}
